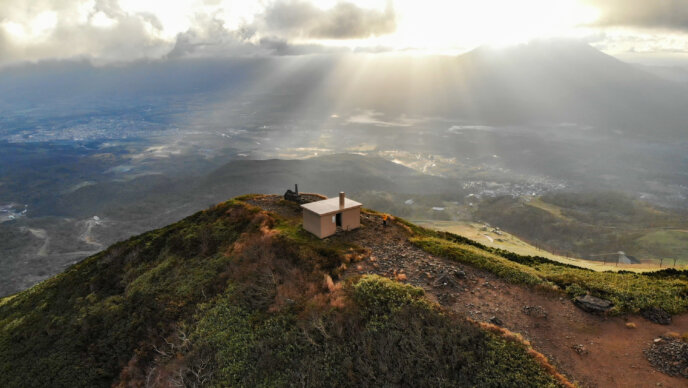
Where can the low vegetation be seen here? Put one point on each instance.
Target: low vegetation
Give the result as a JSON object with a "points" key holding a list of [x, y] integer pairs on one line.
{"points": [[584, 224], [234, 296], [630, 292]]}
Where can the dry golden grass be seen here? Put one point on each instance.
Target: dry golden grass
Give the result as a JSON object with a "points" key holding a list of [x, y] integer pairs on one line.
{"points": [[672, 334]]}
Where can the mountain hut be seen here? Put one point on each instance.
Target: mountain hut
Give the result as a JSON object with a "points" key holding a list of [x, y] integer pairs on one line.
{"points": [[322, 218]]}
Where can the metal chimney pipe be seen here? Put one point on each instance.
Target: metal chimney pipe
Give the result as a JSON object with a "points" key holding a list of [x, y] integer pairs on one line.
{"points": [[296, 188], [341, 199]]}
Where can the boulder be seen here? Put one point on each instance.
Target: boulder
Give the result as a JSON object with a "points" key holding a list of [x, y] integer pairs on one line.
{"points": [[657, 315], [593, 304]]}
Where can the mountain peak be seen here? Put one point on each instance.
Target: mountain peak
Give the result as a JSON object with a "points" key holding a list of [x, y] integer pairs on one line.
{"points": [[240, 294]]}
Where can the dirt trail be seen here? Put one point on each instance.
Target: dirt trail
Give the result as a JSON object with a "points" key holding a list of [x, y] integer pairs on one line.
{"points": [[592, 350], [87, 235], [43, 235]]}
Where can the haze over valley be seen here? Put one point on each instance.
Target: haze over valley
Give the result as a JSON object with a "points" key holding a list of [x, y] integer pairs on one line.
{"points": [[91, 155], [343, 193]]}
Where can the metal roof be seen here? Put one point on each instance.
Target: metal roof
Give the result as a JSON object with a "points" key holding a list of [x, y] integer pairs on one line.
{"points": [[330, 205]]}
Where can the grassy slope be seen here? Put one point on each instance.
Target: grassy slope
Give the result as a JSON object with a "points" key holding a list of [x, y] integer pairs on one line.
{"points": [[235, 297], [581, 224], [630, 292], [511, 243], [667, 244]]}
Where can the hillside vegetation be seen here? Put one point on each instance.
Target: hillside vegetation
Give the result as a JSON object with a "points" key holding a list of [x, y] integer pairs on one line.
{"points": [[630, 292], [584, 224], [236, 296]]}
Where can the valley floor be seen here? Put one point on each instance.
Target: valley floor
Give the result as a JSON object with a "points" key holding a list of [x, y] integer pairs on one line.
{"points": [[594, 351]]}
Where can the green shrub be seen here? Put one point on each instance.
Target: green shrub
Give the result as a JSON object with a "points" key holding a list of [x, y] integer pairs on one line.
{"points": [[196, 303], [630, 292], [392, 336], [513, 272]]}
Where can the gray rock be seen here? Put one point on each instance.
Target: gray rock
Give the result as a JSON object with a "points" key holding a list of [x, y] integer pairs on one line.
{"points": [[657, 315], [669, 356], [535, 311], [580, 349], [593, 304], [445, 280], [496, 321]]}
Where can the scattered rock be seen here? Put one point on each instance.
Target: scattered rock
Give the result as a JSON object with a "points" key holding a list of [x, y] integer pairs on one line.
{"points": [[593, 304], [657, 315], [580, 349], [445, 280], [669, 356], [460, 274], [535, 311], [446, 299], [496, 321]]}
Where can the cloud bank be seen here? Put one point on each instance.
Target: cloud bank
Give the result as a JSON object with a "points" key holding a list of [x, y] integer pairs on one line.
{"points": [[46, 29], [106, 31], [112, 31], [302, 19], [661, 14]]}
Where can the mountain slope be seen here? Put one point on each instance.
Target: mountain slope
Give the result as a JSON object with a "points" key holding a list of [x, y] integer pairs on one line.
{"points": [[536, 83], [240, 297], [540, 82], [134, 206]]}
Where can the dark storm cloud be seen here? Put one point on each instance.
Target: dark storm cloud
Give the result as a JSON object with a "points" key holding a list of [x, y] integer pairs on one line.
{"points": [[302, 19], [662, 14]]}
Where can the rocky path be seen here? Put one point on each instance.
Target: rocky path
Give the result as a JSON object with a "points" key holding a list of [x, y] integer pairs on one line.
{"points": [[592, 350]]}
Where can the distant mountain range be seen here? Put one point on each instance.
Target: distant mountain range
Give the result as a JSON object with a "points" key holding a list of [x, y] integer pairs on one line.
{"points": [[540, 82], [406, 104]]}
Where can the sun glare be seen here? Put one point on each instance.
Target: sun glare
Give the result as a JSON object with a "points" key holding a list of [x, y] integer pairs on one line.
{"points": [[429, 26], [435, 26], [440, 26]]}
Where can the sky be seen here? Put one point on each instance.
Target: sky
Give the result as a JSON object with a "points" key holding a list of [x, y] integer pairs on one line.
{"points": [[120, 31]]}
